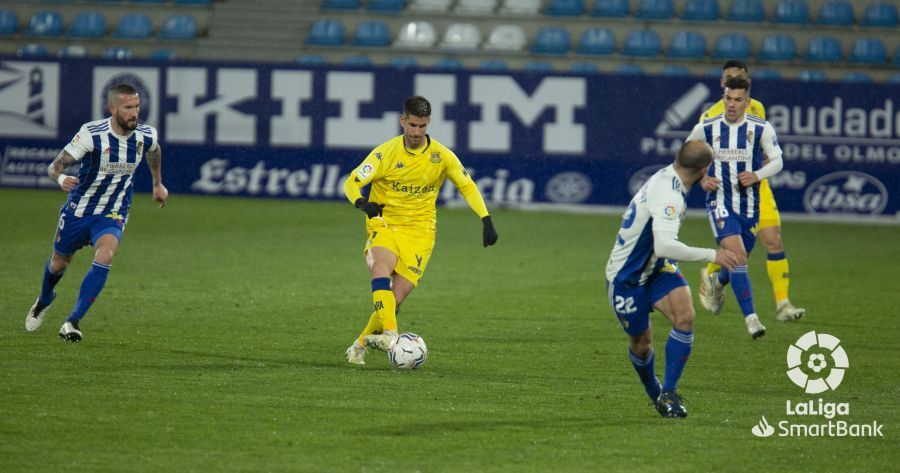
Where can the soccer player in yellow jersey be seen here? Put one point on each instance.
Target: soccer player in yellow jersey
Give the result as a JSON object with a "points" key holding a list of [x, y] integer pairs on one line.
{"points": [[769, 228], [406, 174]]}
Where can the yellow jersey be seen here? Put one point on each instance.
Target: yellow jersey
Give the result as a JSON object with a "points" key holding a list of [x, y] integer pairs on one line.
{"points": [[755, 108], [408, 181]]}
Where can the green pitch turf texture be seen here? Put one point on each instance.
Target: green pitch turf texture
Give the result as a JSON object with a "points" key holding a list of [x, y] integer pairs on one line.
{"points": [[218, 345]]}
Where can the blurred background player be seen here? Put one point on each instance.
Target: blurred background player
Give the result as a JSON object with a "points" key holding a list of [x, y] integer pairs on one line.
{"points": [[406, 174], [96, 210], [769, 228], [739, 141], [642, 275]]}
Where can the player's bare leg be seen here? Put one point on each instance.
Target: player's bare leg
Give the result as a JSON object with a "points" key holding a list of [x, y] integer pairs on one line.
{"points": [[777, 268]]}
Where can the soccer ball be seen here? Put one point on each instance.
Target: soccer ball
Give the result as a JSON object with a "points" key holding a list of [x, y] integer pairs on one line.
{"points": [[408, 352]]}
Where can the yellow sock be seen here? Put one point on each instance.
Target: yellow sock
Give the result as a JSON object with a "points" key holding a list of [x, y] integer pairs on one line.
{"points": [[386, 307], [777, 267], [712, 268], [373, 326]]}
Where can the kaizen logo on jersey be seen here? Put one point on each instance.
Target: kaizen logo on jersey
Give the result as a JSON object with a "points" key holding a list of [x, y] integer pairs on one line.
{"points": [[816, 362]]}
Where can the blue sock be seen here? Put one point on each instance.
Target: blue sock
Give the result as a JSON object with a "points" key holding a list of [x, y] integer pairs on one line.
{"points": [[644, 369], [740, 284], [724, 277], [49, 282], [678, 350], [90, 288]]}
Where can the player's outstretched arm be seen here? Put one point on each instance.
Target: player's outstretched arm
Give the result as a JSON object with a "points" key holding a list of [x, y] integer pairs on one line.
{"points": [[154, 161], [57, 167]]}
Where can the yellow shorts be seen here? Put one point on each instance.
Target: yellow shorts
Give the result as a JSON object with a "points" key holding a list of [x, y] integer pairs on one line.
{"points": [[768, 210], [412, 246]]}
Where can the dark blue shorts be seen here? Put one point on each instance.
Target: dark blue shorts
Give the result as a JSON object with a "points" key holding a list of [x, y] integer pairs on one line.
{"points": [[725, 223], [633, 304], [73, 233]]}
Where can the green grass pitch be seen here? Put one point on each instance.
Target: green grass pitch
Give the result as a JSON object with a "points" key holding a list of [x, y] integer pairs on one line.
{"points": [[218, 345]]}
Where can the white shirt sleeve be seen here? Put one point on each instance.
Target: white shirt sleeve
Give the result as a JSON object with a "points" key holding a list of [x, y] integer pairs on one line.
{"points": [[667, 209], [769, 144], [81, 144], [697, 133], [154, 134]]}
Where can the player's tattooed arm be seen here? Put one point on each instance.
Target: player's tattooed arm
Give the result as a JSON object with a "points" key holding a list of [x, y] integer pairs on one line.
{"points": [[154, 160], [56, 171]]}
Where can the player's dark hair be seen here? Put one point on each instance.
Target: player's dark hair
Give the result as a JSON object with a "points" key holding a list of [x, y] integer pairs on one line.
{"points": [[417, 106], [737, 83], [694, 155], [736, 63], [119, 89]]}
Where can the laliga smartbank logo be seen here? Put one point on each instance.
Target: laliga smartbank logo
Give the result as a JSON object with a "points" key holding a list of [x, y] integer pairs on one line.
{"points": [[817, 362]]}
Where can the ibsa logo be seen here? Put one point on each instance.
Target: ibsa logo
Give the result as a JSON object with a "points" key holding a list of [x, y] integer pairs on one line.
{"points": [[816, 362], [848, 192]]}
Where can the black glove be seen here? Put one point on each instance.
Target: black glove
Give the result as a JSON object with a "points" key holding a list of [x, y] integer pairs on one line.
{"points": [[371, 209], [489, 235]]}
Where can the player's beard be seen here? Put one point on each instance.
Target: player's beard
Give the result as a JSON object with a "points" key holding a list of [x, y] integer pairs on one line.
{"points": [[127, 125]]}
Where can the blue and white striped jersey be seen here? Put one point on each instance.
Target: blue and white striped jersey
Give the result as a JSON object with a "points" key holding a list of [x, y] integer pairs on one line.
{"points": [[108, 162], [738, 147]]}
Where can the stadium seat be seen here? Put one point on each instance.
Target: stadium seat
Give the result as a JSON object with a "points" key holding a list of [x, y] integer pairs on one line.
{"points": [[416, 35], [767, 74], [812, 76], [732, 46], [163, 55], [565, 7], [675, 71], [72, 50], [629, 69], [311, 59], [385, 6], [655, 10], [880, 15], [642, 43], [193, 2], [134, 26], [148, 1], [894, 78], [584, 68], [747, 10], [448, 64], [551, 40], [179, 27], [506, 38], [610, 8], [435, 6], [868, 51], [778, 48], [537, 66], [45, 23], [520, 7], [403, 62], [326, 32], [475, 7], [9, 22], [792, 12], [123, 54], [32, 51], [715, 72], [89, 24], [856, 77], [596, 41], [824, 49], [461, 37], [493, 65], [897, 57], [701, 10], [837, 13], [340, 4], [371, 33], [687, 45], [357, 60]]}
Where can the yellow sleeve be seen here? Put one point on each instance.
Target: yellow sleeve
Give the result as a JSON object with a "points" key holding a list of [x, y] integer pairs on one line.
{"points": [[758, 108], [461, 179], [716, 109], [365, 173]]}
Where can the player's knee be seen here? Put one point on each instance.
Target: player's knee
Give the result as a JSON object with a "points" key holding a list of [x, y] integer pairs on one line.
{"points": [[773, 243], [58, 263], [641, 344], [684, 320]]}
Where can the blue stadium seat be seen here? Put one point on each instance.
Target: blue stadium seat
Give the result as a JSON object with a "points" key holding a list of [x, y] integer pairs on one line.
{"points": [[812, 76], [311, 59], [403, 62], [134, 26], [357, 60], [610, 8], [385, 6], [897, 57], [340, 5], [894, 78], [732, 46], [868, 51], [880, 15], [861, 77], [537, 66], [551, 40], [89, 24], [9, 22], [688, 44], [597, 41], [493, 65], [584, 68], [747, 10], [792, 12], [642, 43], [326, 32], [767, 74], [701, 10], [72, 50], [148, 1], [372, 33], [565, 7], [778, 48], [837, 13], [122, 54], [193, 2], [163, 55], [32, 51], [448, 64], [675, 71], [45, 23], [629, 69], [179, 27], [824, 49], [655, 10]]}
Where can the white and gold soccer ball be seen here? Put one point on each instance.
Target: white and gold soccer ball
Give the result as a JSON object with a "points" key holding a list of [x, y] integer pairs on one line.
{"points": [[408, 352]]}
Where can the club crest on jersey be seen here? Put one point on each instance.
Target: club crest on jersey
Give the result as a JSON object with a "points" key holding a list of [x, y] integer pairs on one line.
{"points": [[365, 171], [436, 157], [750, 137]]}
